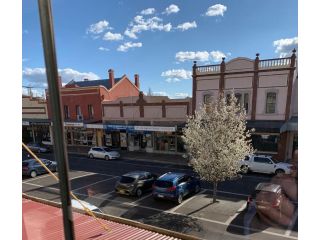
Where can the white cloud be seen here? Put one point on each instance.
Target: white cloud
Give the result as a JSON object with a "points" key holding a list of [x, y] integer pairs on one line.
{"points": [[109, 36], [140, 24], [104, 49], [217, 56], [216, 10], [181, 95], [176, 75], [159, 94], [285, 46], [98, 27], [201, 56], [172, 9], [36, 77], [124, 47], [148, 11], [187, 25], [192, 56]]}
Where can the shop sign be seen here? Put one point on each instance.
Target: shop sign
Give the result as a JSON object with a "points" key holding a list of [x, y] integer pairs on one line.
{"points": [[73, 124], [97, 126], [154, 128], [25, 123], [119, 127], [41, 123]]}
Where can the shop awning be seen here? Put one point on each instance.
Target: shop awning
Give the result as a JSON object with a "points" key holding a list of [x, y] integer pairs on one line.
{"points": [[290, 126], [265, 126]]}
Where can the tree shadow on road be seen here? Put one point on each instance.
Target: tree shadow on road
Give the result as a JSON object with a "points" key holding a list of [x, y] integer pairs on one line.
{"points": [[174, 222]]}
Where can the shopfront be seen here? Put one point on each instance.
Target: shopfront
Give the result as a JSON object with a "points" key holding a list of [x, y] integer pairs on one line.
{"points": [[77, 134], [116, 136], [36, 131]]}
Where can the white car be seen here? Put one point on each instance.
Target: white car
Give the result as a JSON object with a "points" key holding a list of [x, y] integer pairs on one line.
{"points": [[91, 207], [264, 164], [103, 152]]}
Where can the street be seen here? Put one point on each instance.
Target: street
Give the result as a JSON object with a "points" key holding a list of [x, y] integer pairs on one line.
{"points": [[93, 180]]}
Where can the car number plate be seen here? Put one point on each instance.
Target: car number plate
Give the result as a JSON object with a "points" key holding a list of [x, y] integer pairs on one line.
{"points": [[160, 195]]}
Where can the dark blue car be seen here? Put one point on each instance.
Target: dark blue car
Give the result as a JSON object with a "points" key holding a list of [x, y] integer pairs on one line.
{"points": [[175, 186]]}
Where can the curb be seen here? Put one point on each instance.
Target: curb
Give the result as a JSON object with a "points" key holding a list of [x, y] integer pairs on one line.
{"points": [[138, 159], [120, 220]]}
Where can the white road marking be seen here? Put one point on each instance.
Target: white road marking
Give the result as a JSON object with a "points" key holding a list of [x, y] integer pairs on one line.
{"points": [[184, 202], [175, 213], [95, 183], [37, 185], [289, 230], [231, 218], [85, 175], [140, 199], [33, 179]]}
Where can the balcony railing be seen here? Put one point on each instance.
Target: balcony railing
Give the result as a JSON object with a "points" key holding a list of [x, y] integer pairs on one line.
{"points": [[277, 62], [208, 68]]}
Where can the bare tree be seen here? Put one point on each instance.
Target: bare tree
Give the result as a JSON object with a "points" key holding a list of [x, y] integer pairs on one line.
{"points": [[217, 139], [150, 93]]}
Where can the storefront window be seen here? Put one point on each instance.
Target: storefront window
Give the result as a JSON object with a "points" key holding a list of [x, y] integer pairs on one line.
{"points": [[180, 144], [265, 142], [165, 142]]}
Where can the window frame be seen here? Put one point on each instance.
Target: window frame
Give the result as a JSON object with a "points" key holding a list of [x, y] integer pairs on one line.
{"points": [[275, 103], [66, 112], [90, 111]]}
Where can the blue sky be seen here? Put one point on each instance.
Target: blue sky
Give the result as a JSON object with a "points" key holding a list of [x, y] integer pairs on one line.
{"points": [[156, 39]]}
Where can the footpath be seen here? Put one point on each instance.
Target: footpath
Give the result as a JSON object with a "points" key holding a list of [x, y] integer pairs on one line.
{"points": [[138, 156]]}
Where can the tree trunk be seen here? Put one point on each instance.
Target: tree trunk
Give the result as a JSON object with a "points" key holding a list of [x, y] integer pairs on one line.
{"points": [[215, 186]]}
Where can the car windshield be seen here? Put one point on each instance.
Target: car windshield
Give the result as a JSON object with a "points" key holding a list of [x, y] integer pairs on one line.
{"points": [[125, 179], [106, 149], [163, 184]]}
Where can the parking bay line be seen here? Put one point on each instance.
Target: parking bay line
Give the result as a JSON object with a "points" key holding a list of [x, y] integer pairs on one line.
{"points": [[96, 183], [231, 218], [184, 202], [168, 211]]}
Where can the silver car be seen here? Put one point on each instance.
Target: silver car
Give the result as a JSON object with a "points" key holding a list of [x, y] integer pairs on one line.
{"points": [[103, 152]]}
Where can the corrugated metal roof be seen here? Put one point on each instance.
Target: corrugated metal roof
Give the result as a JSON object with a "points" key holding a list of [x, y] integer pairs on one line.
{"points": [[41, 221], [91, 83]]}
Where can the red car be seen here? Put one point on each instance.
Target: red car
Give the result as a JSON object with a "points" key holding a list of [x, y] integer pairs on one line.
{"points": [[272, 205]]}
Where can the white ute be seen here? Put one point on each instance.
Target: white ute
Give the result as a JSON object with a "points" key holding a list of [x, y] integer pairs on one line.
{"points": [[264, 164]]}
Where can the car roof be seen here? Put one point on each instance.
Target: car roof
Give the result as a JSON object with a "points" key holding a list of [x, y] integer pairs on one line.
{"points": [[76, 204], [268, 187], [170, 176], [135, 174], [34, 160]]}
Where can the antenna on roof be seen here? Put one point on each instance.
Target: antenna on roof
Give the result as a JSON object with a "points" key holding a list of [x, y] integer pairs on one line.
{"points": [[29, 90]]}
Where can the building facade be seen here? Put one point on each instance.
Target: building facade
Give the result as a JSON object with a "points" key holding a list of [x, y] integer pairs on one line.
{"points": [[265, 88], [82, 109], [146, 123], [35, 121]]}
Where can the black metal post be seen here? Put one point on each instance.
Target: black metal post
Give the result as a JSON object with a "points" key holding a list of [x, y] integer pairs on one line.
{"points": [[55, 101]]}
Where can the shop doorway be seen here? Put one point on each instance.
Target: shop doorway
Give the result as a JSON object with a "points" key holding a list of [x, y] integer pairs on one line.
{"points": [[115, 136]]}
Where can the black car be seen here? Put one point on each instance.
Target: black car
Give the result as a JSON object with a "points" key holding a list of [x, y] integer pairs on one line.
{"points": [[135, 183]]}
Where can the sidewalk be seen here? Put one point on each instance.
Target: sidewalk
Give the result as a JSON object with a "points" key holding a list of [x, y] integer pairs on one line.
{"points": [[142, 156]]}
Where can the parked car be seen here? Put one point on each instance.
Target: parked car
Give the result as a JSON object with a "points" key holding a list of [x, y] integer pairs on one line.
{"points": [[175, 186], [264, 164], [93, 208], [33, 168], [103, 152], [37, 147], [135, 183], [271, 203]]}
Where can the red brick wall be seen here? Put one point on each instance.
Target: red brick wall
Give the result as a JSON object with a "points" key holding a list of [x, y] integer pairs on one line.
{"points": [[124, 88]]}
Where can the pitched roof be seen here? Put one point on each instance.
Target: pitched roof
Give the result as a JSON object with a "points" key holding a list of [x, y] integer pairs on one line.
{"points": [[92, 83]]}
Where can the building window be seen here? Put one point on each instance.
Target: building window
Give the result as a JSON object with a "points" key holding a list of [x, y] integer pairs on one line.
{"points": [[271, 102], [242, 99], [90, 111], [207, 98], [78, 112], [66, 112]]}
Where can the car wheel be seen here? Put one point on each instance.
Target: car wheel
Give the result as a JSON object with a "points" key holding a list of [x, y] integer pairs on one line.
{"points": [[180, 199], [106, 157], [244, 169], [91, 155], [33, 174], [139, 192], [197, 189], [279, 171]]}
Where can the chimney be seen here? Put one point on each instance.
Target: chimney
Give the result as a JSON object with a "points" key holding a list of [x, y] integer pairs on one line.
{"points": [[59, 81], [136, 81], [111, 77]]}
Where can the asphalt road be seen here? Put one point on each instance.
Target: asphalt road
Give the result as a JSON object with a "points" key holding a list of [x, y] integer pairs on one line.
{"points": [[93, 180]]}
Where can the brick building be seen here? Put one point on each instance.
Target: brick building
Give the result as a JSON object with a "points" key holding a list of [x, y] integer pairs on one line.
{"points": [[146, 123], [82, 109], [35, 121], [267, 89]]}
